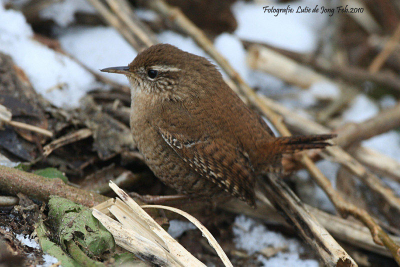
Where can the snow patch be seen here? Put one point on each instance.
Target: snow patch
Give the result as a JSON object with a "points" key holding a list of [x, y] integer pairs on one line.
{"points": [[184, 43], [57, 77], [49, 260], [232, 49], [146, 14], [177, 228], [4, 161], [253, 237], [386, 143], [361, 109], [387, 101], [97, 48], [63, 12], [265, 83], [311, 193], [324, 90], [295, 32], [30, 242], [13, 23], [306, 99]]}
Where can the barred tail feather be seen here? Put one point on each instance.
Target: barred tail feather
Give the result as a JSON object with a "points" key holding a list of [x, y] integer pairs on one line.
{"points": [[291, 144]]}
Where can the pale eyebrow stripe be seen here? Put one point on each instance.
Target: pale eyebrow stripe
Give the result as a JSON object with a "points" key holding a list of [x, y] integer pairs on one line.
{"points": [[164, 68]]}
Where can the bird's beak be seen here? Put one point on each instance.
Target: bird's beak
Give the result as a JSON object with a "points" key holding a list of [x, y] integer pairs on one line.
{"points": [[121, 70]]}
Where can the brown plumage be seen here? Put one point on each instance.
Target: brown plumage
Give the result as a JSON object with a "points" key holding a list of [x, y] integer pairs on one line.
{"points": [[195, 133]]}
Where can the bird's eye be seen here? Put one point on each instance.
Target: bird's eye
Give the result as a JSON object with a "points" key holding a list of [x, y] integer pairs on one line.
{"points": [[152, 74]]}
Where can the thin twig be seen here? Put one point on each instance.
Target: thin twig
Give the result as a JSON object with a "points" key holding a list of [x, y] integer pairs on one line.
{"points": [[31, 128], [67, 139], [125, 21], [6, 115], [380, 59], [211, 240], [8, 201], [380, 164], [114, 21], [346, 96], [385, 121], [358, 75], [124, 11], [270, 61]]}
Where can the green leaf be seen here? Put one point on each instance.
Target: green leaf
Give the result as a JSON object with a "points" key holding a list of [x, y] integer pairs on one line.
{"points": [[23, 167], [52, 173], [76, 223], [52, 248]]}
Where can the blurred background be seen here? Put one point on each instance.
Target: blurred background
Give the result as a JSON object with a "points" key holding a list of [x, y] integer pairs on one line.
{"points": [[327, 66]]}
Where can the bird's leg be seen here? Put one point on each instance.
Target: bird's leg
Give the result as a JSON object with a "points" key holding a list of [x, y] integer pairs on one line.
{"points": [[158, 200]]}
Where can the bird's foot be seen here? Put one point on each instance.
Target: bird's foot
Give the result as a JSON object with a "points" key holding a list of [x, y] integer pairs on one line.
{"points": [[158, 200]]}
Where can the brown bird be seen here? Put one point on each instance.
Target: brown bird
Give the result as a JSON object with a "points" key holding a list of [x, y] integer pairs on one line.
{"points": [[194, 132]]}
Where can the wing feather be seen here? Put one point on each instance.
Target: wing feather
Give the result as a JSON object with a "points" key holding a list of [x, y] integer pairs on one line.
{"points": [[217, 161]]}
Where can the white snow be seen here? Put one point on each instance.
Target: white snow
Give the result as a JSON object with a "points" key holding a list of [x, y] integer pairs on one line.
{"points": [[287, 259], [232, 49], [27, 241], [4, 161], [361, 109], [13, 23], [324, 90], [387, 101], [58, 78], [386, 143], [97, 48], [295, 32], [146, 14], [306, 99], [253, 237], [63, 12], [184, 43], [49, 260], [177, 228], [17, 3], [311, 193], [30, 242], [395, 186], [267, 84], [296, 99]]}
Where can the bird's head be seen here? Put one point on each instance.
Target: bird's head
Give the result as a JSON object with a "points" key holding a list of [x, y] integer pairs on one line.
{"points": [[166, 71]]}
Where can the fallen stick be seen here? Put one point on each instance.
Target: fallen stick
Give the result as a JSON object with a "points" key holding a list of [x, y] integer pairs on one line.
{"points": [[14, 181], [67, 139]]}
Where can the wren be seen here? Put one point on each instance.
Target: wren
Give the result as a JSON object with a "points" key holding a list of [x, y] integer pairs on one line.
{"points": [[195, 133]]}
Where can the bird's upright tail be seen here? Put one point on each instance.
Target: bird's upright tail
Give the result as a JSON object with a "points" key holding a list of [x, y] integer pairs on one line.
{"points": [[291, 144]]}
